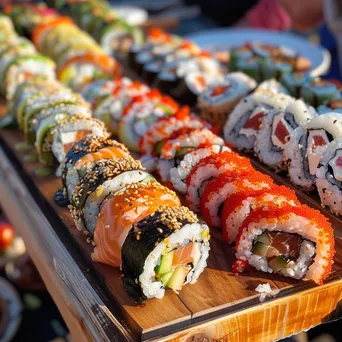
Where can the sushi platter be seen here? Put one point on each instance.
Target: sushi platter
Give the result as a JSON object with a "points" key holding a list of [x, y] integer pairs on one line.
{"points": [[161, 197]]}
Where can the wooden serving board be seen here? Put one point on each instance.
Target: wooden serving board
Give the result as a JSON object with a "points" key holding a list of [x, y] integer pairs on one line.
{"points": [[220, 305]]}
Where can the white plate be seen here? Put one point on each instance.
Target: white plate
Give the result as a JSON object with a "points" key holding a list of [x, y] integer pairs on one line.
{"points": [[133, 15], [224, 39]]}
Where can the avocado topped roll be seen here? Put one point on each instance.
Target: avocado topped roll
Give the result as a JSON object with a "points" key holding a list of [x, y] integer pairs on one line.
{"points": [[166, 250]]}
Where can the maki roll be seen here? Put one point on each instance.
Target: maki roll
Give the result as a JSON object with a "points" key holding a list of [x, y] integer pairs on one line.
{"points": [[329, 177], [166, 250], [252, 67], [118, 37], [120, 211], [165, 127], [210, 168], [276, 131], [69, 131], [82, 69], [275, 68], [217, 191], [83, 154], [237, 207], [194, 84], [294, 82], [316, 92], [183, 165], [217, 102], [99, 180], [295, 241], [307, 146], [181, 143], [245, 122], [334, 106], [24, 67], [140, 115], [109, 107]]}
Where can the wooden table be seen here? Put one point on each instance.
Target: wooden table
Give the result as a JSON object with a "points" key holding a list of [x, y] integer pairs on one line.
{"points": [[95, 306]]}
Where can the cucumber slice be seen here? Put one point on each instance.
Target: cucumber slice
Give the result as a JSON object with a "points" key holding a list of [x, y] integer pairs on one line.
{"points": [[158, 147], [165, 265], [278, 263], [264, 250], [183, 151], [165, 278], [264, 238], [178, 278]]}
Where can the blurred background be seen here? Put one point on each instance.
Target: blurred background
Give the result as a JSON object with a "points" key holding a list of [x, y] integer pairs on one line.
{"points": [[25, 306]]}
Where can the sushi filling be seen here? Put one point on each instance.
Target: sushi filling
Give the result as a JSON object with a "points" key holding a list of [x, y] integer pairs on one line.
{"points": [[282, 127], [284, 253], [175, 264]]}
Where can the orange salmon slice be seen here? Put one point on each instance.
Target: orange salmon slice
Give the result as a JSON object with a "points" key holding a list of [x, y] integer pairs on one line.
{"points": [[78, 136], [184, 255]]}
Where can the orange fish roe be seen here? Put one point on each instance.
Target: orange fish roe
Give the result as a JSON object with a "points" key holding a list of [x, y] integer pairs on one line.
{"points": [[234, 202], [274, 214], [152, 95], [221, 159], [239, 178]]}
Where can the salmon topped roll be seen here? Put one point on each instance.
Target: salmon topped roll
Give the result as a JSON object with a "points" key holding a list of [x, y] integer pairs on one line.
{"points": [[209, 168], [120, 211], [295, 241], [238, 206], [225, 185], [101, 179], [166, 250]]}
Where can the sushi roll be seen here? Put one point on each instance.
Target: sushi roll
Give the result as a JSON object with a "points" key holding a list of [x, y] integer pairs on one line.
{"points": [[329, 177], [194, 84], [165, 127], [217, 191], [68, 132], [24, 67], [181, 143], [140, 115], [183, 166], [245, 122], [295, 241], [276, 131], [239, 53], [110, 107], [120, 211], [118, 37], [275, 68], [307, 147], [294, 82], [217, 102], [317, 92], [237, 207], [102, 178], [82, 69], [166, 250], [252, 67], [334, 106], [83, 154], [210, 168]]}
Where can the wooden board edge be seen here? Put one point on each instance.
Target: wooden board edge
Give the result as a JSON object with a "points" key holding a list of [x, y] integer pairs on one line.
{"points": [[86, 314], [271, 320]]}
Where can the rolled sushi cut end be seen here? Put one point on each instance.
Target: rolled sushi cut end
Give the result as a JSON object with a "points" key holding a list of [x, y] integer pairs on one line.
{"points": [[69, 132], [329, 177], [295, 241], [165, 250]]}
